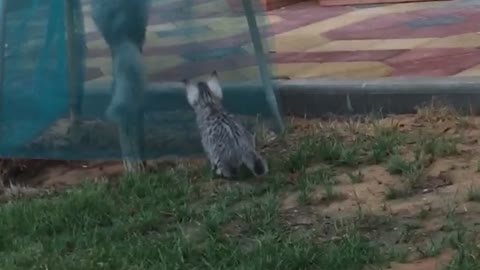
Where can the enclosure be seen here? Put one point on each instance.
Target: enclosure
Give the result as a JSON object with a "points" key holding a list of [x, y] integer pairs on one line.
{"points": [[56, 88]]}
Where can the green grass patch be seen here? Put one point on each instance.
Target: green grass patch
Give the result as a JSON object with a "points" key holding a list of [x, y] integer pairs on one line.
{"points": [[166, 221]]}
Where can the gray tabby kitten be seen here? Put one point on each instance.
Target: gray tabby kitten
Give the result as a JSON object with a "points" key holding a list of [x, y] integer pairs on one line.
{"points": [[227, 144]]}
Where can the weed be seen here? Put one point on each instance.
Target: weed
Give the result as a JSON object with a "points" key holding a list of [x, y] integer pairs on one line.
{"points": [[433, 248], [411, 171], [337, 152], [424, 212], [398, 165], [384, 144], [330, 195], [407, 232], [438, 146], [329, 149], [474, 194], [357, 177], [394, 193], [467, 251], [299, 159], [307, 182]]}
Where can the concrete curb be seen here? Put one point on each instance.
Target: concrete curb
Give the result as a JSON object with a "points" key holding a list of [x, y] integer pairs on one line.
{"points": [[316, 97]]}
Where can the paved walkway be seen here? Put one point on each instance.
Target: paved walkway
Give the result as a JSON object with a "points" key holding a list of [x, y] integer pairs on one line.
{"points": [[440, 38]]}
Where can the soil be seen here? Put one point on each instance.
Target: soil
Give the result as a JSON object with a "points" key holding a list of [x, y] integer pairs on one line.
{"points": [[427, 263]]}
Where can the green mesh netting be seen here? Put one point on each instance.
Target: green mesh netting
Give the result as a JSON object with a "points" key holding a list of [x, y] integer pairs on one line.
{"points": [[56, 62]]}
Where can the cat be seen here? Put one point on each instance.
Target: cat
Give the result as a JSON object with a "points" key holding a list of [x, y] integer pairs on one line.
{"points": [[227, 144]]}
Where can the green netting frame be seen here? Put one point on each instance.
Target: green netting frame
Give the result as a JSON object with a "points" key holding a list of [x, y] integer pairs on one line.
{"points": [[44, 88]]}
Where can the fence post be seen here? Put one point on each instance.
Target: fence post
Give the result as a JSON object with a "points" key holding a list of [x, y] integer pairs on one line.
{"points": [[262, 61], [75, 80], [3, 22]]}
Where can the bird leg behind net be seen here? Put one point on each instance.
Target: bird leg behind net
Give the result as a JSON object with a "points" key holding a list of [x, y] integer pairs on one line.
{"points": [[130, 131], [122, 24]]}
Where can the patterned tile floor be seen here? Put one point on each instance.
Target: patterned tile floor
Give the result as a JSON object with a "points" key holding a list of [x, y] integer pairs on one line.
{"points": [[306, 41]]}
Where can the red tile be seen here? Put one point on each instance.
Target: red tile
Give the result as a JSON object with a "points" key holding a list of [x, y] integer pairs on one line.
{"points": [[196, 69], [93, 73], [434, 62], [96, 53], [344, 56], [396, 25], [92, 36]]}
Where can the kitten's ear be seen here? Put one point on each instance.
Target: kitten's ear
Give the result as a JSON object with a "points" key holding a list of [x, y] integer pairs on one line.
{"points": [[214, 85], [193, 93]]}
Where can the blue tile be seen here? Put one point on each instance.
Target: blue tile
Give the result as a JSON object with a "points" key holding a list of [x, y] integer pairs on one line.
{"points": [[196, 30], [465, 4], [206, 54], [365, 6], [435, 21]]}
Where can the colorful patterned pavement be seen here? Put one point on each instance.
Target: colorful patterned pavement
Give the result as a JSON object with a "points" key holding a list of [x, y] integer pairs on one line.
{"points": [[307, 41]]}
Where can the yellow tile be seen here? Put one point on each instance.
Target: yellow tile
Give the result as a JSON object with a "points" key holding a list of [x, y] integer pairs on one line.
{"points": [[152, 40], [33, 44], [184, 39], [355, 17], [371, 44], [161, 27], [152, 63], [296, 42], [97, 44], [103, 63], [159, 63], [237, 75], [208, 7], [471, 72], [333, 70], [237, 24], [312, 70], [334, 22], [290, 43], [221, 27], [104, 80], [162, 2], [469, 40], [88, 25], [406, 7], [86, 8]]}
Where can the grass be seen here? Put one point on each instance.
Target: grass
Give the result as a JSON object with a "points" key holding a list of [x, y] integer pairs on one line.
{"points": [[334, 151], [466, 258], [385, 143], [149, 223], [411, 173], [322, 148], [322, 177], [356, 177], [394, 193], [433, 248], [438, 146], [184, 219], [474, 194]]}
